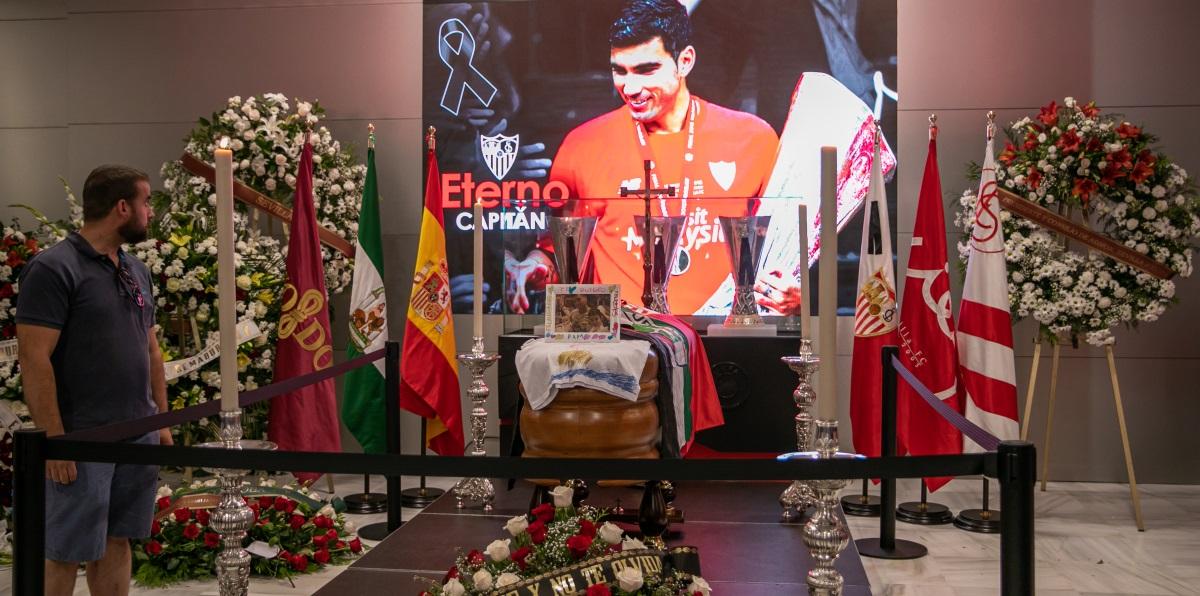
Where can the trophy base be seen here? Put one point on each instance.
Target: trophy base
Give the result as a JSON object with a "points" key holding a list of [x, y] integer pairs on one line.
{"points": [[760, 330]]}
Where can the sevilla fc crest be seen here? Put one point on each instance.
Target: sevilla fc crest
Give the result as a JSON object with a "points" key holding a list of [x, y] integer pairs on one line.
{"points": [[875, 312], [723, 172], [499, 153]]}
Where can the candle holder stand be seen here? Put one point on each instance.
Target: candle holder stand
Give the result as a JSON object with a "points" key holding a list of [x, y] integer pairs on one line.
{"points": [[825, 534], [478, 490], [799, 496], [232, 518]]}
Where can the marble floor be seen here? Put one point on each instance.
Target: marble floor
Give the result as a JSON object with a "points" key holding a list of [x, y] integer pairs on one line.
{"points": [[1087, 545]]}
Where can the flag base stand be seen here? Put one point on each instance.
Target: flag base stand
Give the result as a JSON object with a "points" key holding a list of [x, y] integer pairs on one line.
{"points": [[924, 513], [900, 549], [377, 531], [862, 505], [980, 521], [363, 503], [420, 498]]}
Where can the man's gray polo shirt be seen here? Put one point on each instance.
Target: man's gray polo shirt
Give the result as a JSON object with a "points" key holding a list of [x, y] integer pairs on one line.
{"points": [[101, 362]]}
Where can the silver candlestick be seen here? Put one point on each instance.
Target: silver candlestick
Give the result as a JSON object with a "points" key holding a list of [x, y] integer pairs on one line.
{"points": [[232, 518], [477, 489], [825, 534], [798, 496]]}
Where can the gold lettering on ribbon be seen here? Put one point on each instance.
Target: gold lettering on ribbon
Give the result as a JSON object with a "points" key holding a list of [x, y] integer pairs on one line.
{"points": [[593, 575], [563, 584], [299, 309]]}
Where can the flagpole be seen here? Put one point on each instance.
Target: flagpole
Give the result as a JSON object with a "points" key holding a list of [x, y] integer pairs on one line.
{"points": [[367, 501]]}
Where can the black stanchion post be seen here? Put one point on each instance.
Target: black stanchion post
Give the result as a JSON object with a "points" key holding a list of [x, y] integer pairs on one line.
{"points": [[392, 374], [886, 546], [29, 511], [1016, 467], [422, 496]]}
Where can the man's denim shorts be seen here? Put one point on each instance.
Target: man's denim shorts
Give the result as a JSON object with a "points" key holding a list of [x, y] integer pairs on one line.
{"points": [[106, 500]]}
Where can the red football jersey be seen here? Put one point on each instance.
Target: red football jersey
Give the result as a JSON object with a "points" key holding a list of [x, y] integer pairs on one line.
{"points": [[722, 174]]}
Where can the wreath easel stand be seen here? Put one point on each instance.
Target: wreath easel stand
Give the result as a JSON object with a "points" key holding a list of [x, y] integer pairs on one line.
{"points": [[1120, 409], [1083, 233]]}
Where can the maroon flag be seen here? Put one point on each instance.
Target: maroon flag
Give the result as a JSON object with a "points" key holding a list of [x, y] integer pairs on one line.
{"points": [[926, 331], [305, 419]]}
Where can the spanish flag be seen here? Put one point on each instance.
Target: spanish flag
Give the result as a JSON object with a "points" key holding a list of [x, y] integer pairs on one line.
{"points": [[428, 368]]}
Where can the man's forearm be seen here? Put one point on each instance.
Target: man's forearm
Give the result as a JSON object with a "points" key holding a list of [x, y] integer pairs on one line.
{"points": [[158, 381], [37, 381]]}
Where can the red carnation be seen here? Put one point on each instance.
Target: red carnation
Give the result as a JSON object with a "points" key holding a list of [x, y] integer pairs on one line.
{"points": [[1128, 131], [537, 532], [281, 503], [320, 541], [331, 535], [544, 512], [587, 528], [163, 503], [355, 545], [599, 590], [321, 521], [212, 540], [1093, 145], [1031, 142], [153, 548], [191, 531], [1090, 110], [155, 528], [296, 521], [579, 545], [451, 574], [321, 556], [266, 502], [183, 514], [341, 544], [521, 556], [475, 557], [1049, 114], [202, 517], [299, 562]]}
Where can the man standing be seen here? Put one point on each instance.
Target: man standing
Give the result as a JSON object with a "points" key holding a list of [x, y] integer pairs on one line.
{"points": [[89, 357], [717, 159]]}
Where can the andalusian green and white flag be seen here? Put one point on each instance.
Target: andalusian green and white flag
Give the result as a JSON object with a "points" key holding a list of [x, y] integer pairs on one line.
{"points": [[363, 398]]}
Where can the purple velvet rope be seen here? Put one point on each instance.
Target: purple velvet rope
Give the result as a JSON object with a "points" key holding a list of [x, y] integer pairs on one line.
{"points": [[126, 429], [971, 430]]}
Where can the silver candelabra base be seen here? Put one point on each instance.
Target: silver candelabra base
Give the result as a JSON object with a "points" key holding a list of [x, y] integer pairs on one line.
{"points": [[799, 496], [232, 518], [479, 490], [825, 534]]}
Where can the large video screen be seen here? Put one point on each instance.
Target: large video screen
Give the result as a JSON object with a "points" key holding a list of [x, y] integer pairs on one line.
{"points": [[548, 108]]}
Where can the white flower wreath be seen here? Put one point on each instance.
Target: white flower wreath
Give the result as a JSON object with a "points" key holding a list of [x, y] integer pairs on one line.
{"points": [[1071, 160]]}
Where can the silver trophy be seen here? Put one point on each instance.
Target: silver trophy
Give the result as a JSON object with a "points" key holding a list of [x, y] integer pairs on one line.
{"points": [[572, 236], [744, 239], [665, 236]]}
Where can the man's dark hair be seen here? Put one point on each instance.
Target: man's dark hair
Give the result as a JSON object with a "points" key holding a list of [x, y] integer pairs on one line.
{"points": [[642, 20], [105, 186]]}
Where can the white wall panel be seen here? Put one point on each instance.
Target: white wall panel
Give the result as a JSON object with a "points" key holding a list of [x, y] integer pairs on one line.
{"points": [[31, 159], [32, 9], [182, 64], [1144, 53], [32, 92]]}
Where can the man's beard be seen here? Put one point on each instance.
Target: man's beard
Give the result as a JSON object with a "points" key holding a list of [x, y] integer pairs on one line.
{"points": [[132, 233]]}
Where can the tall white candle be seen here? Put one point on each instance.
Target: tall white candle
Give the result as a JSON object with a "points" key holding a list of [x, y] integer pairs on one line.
{"points": [[827, 389], [226, 277], [477, 316], [805, 296]]}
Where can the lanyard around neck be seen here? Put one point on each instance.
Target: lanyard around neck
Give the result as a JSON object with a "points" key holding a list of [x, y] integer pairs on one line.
{"points": [[688, 158]]}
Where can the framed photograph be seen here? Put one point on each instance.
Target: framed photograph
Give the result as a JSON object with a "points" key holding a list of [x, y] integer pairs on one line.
{"points": [[583, 312]]}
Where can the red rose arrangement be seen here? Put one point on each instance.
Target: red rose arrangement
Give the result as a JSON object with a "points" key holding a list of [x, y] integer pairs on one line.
{"points": [[183, 546], [550, 537]]}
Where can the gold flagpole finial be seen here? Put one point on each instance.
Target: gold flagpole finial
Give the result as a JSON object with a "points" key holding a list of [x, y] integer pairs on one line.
{"points": [[933, 129], [431, 138], [370, 136], [991, 125]]}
